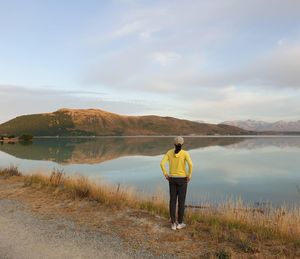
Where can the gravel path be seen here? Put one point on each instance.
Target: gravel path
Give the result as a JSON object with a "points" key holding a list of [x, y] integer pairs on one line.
{"points": [[26, 235]]}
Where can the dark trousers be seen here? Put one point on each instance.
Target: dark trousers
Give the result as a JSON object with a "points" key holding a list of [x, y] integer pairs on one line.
{"points": [[177, 188]]}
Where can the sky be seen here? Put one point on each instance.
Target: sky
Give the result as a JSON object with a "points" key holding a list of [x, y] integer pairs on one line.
{"points": [[207, 60]]}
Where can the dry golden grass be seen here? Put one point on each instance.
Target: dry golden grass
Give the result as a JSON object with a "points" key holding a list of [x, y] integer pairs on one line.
{"points": [[80, 187], [10, 171], [235, 214], [233, 217]]}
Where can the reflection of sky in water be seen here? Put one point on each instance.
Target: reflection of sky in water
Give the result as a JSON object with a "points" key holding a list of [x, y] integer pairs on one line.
{"points": [[266, 173]]}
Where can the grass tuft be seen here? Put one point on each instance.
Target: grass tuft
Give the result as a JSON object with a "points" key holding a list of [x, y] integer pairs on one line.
{"points": [[57, 177], [10, 171], [81, 188]]}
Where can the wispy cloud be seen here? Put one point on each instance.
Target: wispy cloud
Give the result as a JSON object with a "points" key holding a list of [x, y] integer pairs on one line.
{"points": [[26, 100], [165, 58]]}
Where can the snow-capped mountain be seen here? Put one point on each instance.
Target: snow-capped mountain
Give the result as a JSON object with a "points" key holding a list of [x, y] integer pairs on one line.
{"points": [[265, 126]]}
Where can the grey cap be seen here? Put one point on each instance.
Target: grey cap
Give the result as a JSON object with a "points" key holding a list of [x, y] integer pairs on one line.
{"points": [[178, 140]]}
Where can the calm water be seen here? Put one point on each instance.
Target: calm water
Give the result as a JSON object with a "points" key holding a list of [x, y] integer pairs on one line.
{"points": [[257, 169]]}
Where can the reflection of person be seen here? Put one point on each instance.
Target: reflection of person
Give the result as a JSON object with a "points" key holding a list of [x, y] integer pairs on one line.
{"points": [[178, 179]]}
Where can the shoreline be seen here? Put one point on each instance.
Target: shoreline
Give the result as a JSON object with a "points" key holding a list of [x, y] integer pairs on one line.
{"points": [[224, 232], [185, 136]]}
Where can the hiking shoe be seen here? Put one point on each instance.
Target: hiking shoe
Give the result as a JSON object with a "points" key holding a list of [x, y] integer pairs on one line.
{"points": [[173, 226], [181, 225]]}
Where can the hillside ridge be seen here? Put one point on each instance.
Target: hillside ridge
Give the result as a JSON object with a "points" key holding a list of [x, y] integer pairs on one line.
{"points": [[96, 122]]}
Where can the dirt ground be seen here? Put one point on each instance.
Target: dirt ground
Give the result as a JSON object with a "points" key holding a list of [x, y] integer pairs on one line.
{"points": [[42, 223]]}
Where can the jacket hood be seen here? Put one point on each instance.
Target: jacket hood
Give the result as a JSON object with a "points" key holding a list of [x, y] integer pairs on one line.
{"points": [[177, 155]]}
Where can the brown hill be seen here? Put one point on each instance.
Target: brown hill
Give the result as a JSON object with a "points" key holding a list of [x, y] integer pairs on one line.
{"points": [[88, 122]]}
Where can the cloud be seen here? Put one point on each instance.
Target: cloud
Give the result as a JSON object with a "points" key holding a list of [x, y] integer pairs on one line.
{"points": [[186, 41], [232, 102], [21, 90], [38, 100], [280, 67], [276, 68], [126, 29], [165, 58]]}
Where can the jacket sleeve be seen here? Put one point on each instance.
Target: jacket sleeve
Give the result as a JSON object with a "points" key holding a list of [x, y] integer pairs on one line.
{"points": [[190, 164], [162, 164]]}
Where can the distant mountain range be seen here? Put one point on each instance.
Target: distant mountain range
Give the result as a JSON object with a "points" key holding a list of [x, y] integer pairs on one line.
{"points": [[254, 125], [93, 122]]}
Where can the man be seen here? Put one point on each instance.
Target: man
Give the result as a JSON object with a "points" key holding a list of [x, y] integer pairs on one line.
{"points": [[178, 179]]}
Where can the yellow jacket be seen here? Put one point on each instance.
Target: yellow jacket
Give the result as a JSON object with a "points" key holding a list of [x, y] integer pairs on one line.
{"points": [[177, 163]]}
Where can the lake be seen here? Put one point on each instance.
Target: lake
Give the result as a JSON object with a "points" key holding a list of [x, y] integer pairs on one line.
{"points": [[257, 169]]}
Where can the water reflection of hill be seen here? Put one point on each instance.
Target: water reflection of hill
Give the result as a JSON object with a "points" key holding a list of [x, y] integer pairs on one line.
{"points": [[256, 143], [91, 151]]}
